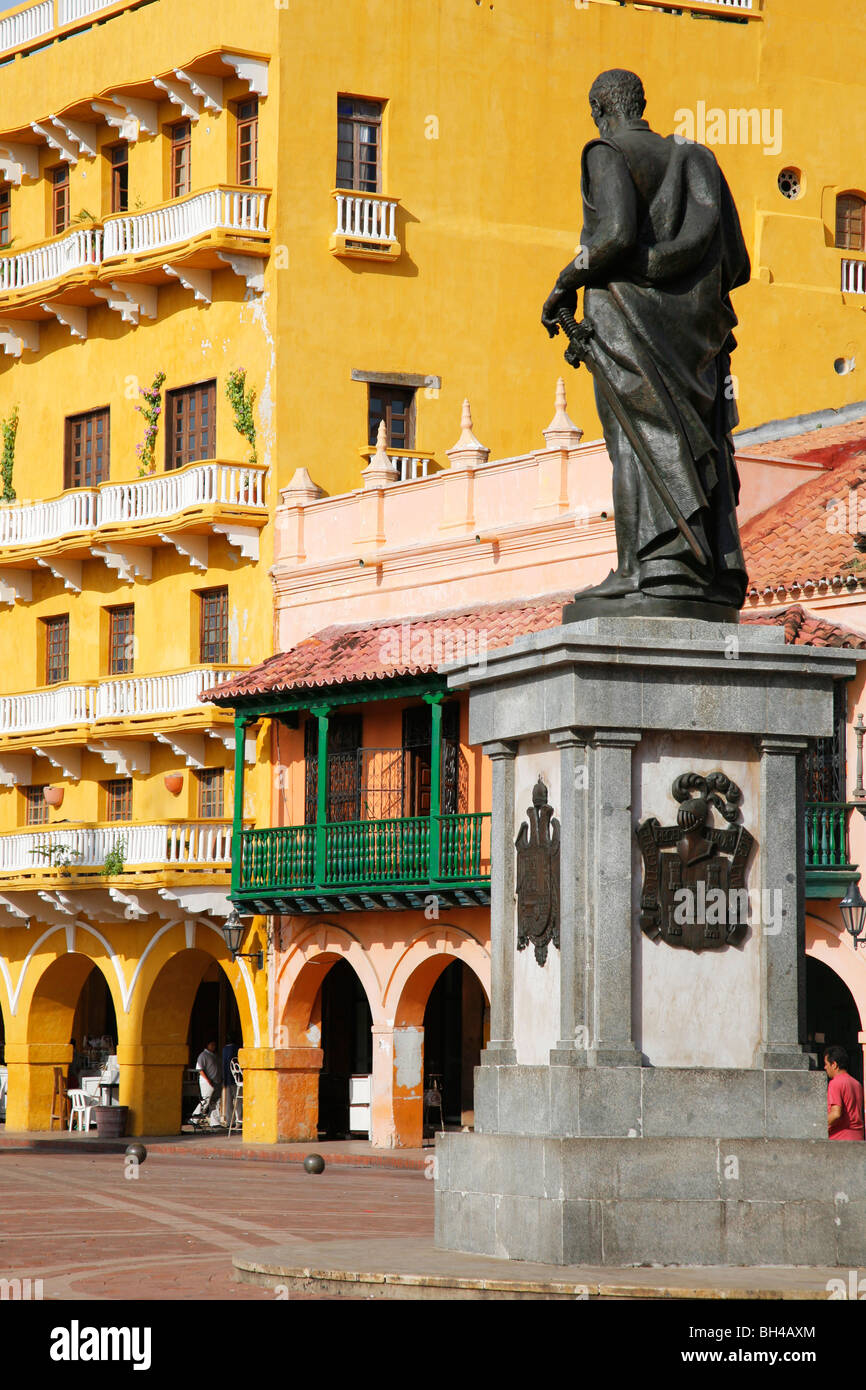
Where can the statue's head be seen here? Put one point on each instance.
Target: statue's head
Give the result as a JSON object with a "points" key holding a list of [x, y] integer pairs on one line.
{"points": [[616, 95]]}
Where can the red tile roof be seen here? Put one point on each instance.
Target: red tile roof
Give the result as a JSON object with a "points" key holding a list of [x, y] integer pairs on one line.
{"points": [[791, 543], [352, 654], [342, 655]]}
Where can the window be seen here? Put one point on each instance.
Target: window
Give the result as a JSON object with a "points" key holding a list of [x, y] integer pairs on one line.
{"points": [[214, 628], [180, 165], [396, 406], [118, 156], [59, 177], [211, 793], [118, 799], [5, 214], [190, 429], [343, 801], [86, 453], [35, 806], [248, 141], [359, 144], [121, 633], [56, 649], [849, 222]]}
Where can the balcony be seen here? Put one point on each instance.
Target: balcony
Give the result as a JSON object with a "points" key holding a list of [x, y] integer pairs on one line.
{"points": [[374, 864], [828, 860], [170, 868], [64, 261], [179, 508], [223, 226], [366, 226], [410, 463], [31, 23], [61, 709], [853, 276]]}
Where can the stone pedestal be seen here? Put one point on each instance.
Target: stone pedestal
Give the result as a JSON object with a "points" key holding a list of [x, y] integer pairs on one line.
{"points": [[640, 1101]]}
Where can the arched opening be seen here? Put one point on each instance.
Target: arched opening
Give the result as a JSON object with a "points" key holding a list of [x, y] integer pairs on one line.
{"points": [[94, 1025], [190, 1002], [342, 1013], [832, 1015], [850, 222], [72, 1000], [456, 1023]]}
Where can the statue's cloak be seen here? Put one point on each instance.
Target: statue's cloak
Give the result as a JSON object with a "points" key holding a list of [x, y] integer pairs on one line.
{"points": [[663, 324]]}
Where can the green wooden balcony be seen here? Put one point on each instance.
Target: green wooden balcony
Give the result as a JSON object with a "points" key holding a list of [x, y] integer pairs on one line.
{"points": [[365, 864], [828, 860]]}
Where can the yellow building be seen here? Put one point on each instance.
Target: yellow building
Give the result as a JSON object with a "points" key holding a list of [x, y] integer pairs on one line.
{"points": [[352, 210]]}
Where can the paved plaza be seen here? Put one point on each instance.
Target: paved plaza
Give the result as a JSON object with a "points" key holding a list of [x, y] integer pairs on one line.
{"points": [[76, 1222]]}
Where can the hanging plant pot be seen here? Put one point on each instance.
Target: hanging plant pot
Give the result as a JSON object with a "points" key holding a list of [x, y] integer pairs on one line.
{"points": [[53, 795], [174, 782]]}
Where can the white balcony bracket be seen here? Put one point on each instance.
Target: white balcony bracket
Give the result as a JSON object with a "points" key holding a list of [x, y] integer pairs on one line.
{"points": [[145, 113], [66, 757], [58, 901], [25, 156], [119, 120], [94, 902], [243, 538], [137, 906], [199, 281], [192, 547], [130, 561], [126, 756], [248, 268], [16, 769], [58, 140], [175, 93], [80, 133], [18, 334], [203, 85], [16, 586], [187, 746], [128, 301], [253, 71], [10, 172], [72, 316], [198, 902], [225, 734], [16, 907], [67, 570]]}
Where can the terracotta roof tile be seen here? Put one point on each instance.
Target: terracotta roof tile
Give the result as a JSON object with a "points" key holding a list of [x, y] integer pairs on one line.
{"points": [[792, 542], [353, 654]]}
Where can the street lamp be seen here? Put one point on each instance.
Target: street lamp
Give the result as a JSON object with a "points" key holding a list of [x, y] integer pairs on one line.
{"points": [[853, 909], [233, 930]]}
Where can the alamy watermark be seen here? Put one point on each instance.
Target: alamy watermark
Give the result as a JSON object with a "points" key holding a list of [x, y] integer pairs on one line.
{"points": [[736, 126], [408, 646]]}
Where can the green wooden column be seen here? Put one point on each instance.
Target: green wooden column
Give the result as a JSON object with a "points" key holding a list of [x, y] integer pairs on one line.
{"points": [[321, 712], [435, 703], [238, 823]]}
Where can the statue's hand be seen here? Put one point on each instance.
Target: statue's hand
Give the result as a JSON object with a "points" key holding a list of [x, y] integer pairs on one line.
{"points": [[549, 312]]}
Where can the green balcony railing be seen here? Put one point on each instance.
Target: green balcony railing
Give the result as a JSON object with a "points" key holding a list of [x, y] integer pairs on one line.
{"points": [[828, 858], [366, 854]]}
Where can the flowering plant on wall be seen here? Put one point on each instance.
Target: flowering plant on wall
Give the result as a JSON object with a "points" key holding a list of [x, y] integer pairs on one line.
{"points": [[151, 410], [242, 402], [9, 429]]}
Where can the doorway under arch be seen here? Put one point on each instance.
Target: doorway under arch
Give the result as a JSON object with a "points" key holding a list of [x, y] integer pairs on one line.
{"points": [[456, 1021], [832, 1015], [343, 1014]]}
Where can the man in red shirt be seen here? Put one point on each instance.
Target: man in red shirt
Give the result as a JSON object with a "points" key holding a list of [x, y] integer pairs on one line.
{"points": [[844, 1097]]}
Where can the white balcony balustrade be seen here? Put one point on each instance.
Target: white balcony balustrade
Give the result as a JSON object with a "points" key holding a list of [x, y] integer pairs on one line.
{"points": [[26, 25], [198, 485], [219, 209], [36, 522], [26, 269], [853, 277], [202, 844], [70, 10], [161, 497], [365, 218], [123, 697]]}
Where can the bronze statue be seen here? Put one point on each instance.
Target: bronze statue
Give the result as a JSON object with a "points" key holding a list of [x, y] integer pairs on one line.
{"points": [[661, 250]]}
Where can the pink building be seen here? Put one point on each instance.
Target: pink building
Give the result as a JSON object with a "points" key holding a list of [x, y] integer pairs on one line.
{"points": [[375, 860]]}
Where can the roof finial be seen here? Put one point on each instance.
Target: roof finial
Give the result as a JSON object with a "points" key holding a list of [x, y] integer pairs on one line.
{"points": [[468, 451], [380, 471], [562, 432]]}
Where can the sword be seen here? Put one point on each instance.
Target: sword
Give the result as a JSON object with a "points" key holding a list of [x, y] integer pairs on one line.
{"points": [[580, 349]]}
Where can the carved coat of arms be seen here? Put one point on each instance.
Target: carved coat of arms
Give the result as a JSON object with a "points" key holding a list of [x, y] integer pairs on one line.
{"points": [[694, 893], [538, 876]]}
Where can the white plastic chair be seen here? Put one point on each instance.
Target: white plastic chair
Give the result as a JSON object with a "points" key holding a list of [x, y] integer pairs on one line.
{"points": [[80, 1107], [238, 1102]]}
